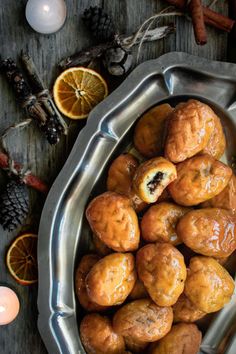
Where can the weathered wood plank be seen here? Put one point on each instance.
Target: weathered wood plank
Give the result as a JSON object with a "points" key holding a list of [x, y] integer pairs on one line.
{"points": [[30, 146]]}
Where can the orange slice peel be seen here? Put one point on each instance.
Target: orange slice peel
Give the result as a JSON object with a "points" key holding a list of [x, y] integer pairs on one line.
{"points": [[77, 91], [21, 259]]}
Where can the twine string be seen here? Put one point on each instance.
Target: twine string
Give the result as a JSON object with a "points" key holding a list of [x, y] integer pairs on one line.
{"points": [[29, 101], [143, 32], [149, 22]]}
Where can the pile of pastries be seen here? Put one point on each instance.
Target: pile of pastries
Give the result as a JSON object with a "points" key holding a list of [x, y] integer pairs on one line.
{"points": [[162, 234]]}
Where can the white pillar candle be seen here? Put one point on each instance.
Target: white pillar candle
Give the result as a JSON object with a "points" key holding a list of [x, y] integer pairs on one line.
{"points": [[9, 305], [46, 16]]}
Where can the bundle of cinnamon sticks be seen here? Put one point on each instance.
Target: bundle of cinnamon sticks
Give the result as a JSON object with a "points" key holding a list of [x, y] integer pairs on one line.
{"points": [[202, 16]]}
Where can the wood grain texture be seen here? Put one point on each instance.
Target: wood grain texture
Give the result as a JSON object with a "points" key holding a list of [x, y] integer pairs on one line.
{"points": [[32, 149]]}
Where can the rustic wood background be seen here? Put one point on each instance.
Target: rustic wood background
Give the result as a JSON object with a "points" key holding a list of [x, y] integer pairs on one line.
{"points": [[31, 148]]}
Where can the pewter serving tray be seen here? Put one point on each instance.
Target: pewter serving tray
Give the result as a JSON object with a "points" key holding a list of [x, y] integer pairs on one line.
{"points": [[64, 234]]}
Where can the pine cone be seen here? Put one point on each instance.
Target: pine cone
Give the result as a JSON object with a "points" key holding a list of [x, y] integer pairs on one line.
{"points": [[14, 205], [99, 23]]}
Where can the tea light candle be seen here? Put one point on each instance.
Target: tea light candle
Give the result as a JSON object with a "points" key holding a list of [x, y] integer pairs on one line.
{"points": [[9, 305], [46, 16]]}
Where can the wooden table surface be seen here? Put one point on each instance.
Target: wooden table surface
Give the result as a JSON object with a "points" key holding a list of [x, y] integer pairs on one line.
{"points": [[31, 148]]}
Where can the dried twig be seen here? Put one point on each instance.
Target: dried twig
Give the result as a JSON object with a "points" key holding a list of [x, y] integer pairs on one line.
{"points": [[144, 34]]}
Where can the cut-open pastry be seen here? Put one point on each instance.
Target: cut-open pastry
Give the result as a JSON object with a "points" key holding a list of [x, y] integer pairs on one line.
{"points": [[152, 177]]}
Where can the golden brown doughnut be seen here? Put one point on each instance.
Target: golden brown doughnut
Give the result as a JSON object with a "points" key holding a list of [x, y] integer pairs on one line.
{"points": [[184, 338], [152, 177], [216, 144], [225, 199], [143, 320], [158, 223], [185, 311], [210, 232], [112, 218], [189, 129], [149, 131], [121, 173], [199, 179], [85, 265], [98, 336], [208, 285], [120, 177], [111, 279], [162, 270]]}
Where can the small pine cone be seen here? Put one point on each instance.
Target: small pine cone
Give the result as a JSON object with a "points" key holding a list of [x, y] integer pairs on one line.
{"points": [[99, 23], [14, 205], [117, 61]]}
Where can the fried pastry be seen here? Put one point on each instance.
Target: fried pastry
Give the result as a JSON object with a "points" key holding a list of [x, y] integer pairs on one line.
{"points": [[184, 338], [199, 179], [98, 336], [149, 131], [162, 270], [121, 173], [185, 311], [158, 223], [216, 144], [112, 218], [100, 247], [111, 279], [143, 320], [210, 232], [189, 130], [208, 285], [85, 265], [226, 199], [139, 291], [120, 177], [152, 177]]}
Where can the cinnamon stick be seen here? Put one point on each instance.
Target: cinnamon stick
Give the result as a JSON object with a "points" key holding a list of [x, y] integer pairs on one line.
{"points": [[211, 17], [196, 11], [29, 179], [217, 20]]}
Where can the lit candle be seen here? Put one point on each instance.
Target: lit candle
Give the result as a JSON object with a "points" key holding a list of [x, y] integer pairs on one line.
{"points": [[46, 16], [9, 305]]}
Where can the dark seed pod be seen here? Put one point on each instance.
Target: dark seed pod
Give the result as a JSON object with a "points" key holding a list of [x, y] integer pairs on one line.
{"points": [[99, 23], [53, 130], [14, 205], [117, 61]]}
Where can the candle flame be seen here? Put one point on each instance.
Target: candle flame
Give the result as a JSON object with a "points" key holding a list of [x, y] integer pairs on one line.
{"points": [[46, 8]]}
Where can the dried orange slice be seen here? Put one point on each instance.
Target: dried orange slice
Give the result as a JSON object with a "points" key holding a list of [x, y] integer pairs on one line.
{"points": [[22, 259], [78, 90]]}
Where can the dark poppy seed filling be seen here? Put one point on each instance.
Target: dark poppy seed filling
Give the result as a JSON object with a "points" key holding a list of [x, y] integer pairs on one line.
{"points": [[155, 181]]}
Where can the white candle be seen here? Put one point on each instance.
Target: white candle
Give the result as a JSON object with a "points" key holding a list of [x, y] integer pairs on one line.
{"points": [[46, 16], [9, 305]]}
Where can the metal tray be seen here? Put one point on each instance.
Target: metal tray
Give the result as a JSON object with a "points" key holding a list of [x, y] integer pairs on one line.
{"points": [[63, 233]]}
